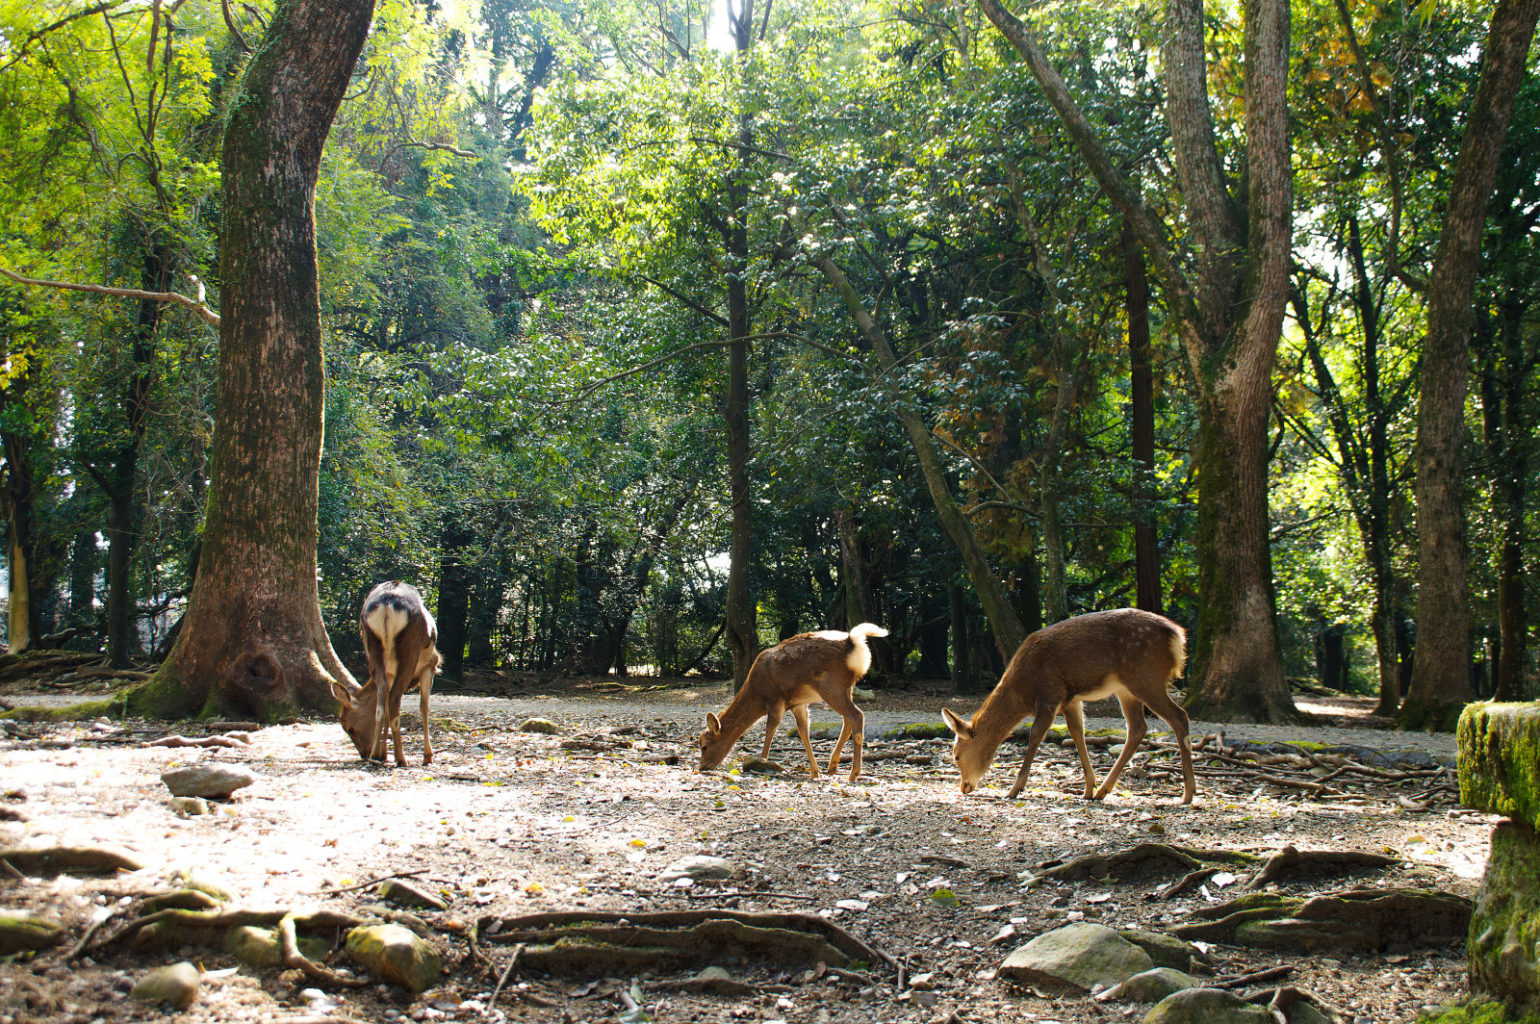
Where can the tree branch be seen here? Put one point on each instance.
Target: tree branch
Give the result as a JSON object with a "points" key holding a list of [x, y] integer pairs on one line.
{"points": [[196, 305]]}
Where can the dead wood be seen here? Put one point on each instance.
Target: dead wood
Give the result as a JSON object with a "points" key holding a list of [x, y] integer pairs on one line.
{"points": [[65, 860], [237, 739]]}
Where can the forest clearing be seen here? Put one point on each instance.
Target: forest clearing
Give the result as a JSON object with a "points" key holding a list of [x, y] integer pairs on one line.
{"points": [[593, 816]]}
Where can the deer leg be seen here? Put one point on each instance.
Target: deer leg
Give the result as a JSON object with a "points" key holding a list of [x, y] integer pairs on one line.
{"points": [[1040, 724], [772, 722], [395, 729], [1133, 716], [799, 712], [381, 719], [854, 730], [1176, 717], [1074, 719], [425, 687]]}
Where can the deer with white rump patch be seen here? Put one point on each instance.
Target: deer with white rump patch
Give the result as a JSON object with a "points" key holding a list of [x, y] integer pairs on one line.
{"points": [[793, 674], [399, 638], [1127, 653]]}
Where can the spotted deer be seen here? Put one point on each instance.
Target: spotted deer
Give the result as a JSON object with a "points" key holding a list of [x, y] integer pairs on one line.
{"points": [[1128, 654], [823, 666]]}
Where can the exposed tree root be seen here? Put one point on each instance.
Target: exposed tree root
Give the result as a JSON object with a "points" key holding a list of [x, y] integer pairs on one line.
{"points": [[593, 942]]}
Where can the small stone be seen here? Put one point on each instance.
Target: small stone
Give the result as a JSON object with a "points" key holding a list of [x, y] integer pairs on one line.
{"points": [[699, 867], [1148, 987], [177, 985], [759, 766], [212, 781], [1207, 1006], [404, 893], [543, 726], [189, 806]]}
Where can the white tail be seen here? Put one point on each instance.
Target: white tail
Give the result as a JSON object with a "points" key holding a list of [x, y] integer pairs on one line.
{"points": [[793, 674], [1127, 653], [400, 640]]}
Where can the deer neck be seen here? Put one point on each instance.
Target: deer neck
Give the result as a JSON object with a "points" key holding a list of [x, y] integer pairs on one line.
{"points": [[998, 715], [741, 712]]}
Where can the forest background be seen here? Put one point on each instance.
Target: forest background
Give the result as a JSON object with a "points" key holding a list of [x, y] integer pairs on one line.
{"points": [[654, 333]]}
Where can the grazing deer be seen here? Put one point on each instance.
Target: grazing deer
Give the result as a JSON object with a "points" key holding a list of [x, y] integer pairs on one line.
{"points": [[399, 637], [793, 674], [1127, 653]]}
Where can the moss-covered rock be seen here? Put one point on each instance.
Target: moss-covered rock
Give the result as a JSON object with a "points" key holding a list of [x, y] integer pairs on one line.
{"points": [[1503, 948], [21, 932], [392, 953], [1479, 1011], [1500, 760]]}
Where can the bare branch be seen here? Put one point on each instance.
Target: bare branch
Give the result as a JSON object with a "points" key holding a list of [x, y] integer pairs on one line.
{"points": [[196, 305]]}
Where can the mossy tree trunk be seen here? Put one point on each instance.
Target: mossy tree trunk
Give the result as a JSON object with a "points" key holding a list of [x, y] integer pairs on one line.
{"points": [[252, 639]]}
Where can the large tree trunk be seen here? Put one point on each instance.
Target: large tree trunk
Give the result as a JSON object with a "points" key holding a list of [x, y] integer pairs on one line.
{"points": [[1440, 684], [1229, 315], [21, 541], [253, 640], [454, 584]]}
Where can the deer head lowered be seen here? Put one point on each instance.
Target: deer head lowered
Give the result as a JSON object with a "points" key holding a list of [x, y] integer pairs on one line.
{"points": [[399, 638], [793, 674], [1127, 653]]}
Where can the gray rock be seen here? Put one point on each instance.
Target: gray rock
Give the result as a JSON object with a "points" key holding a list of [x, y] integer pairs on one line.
{"points": [[21, 931], [1149, 987], [1206, 1006], [177, 985], [404, 893], [698, 867], [211, 781], [1076, 958], [394, 954]]}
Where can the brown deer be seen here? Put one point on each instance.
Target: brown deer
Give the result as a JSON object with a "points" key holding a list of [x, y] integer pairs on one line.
{"points": [[1127, 653], [793, 674], [399, 640]]}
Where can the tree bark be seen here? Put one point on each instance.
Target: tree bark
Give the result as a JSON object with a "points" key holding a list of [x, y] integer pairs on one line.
{"points": [[1441, 684], [454, 584], [253, 640], [21, 541], [1229, 316]]}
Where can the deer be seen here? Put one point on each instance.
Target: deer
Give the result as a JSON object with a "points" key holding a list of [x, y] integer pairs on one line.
{"points": [[400, 639], [822, 666], [1126, 653]]}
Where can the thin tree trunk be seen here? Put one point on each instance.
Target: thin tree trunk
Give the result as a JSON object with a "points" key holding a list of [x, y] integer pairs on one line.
{"points": [[1441, 683], [253, 640], [742, 627], [1003, 619], [1141, 396], [453, 597]]}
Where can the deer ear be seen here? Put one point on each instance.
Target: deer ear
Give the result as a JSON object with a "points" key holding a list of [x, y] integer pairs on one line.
{"points": [[342, 693], [713, 723], [956, 724]]}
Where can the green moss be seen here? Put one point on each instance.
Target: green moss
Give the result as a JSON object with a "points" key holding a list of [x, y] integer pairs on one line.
{"points": [[1503, 946], [1480, 1011], [1426, 716], [111, 707], [162, 696], [1500, 759], [918, 731]]}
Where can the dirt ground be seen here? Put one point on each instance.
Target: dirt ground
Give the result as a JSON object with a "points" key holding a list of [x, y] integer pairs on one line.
{"points": [[507, 822]]}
